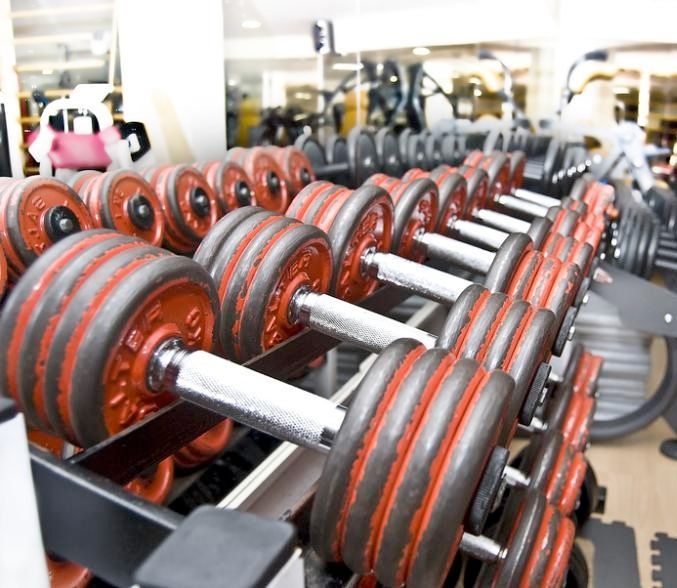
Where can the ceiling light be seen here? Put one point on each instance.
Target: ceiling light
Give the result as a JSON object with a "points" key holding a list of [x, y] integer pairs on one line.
{"points": [[621, 90], [251, 23], [393, 79], [477, 92], [303, 95], [421, 51], [347, 66]]}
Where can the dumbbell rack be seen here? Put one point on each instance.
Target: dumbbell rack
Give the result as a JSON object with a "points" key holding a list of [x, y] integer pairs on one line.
{"points": [[127, 530]]}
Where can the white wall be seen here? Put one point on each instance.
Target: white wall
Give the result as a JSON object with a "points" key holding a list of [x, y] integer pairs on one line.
{"points": [[171, 56]]}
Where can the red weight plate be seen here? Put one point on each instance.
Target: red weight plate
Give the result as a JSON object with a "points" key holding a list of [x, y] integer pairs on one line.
{"points": [[297, 169], [414, 174], [474, 158], [66, 574], [543, 282], [304, 199], [556, 570], [578, 420], [129, 205], [477, 187], [453, 191], [34, 214], [524, 275], [270, 190], [296, 257], [80, 180], [230, 183], [356, 222], [27, 336], [206, 447], [587, 373], [416, 212], [497, 167], [573, 483], [155, 484]]}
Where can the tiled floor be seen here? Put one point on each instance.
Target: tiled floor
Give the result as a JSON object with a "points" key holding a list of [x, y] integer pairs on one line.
{"points": [[641, 488]]}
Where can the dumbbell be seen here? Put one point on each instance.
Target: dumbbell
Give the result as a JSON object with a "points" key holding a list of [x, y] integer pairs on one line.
{"points": [[230, 183], [497, 168], [123, 201], [267, 177], [412, 149], [297, 170], [388, 152], [160, 311], [188, 204], [638, 245], [516, 268], [272, 273], [561, 232], [361, 157], [35, 213]]}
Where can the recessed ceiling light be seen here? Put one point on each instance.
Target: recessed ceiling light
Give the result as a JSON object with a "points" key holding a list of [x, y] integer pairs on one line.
{"points": [[421, 51], [621, 90], [347, 66], [251, 23]]}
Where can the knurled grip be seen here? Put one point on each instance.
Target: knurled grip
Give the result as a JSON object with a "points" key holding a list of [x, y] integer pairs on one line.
{"points": [[536, 198], [478, 233], [350, 323], [254, 399], [502, 221], [457, 252], [414, 277], [535, 210]]}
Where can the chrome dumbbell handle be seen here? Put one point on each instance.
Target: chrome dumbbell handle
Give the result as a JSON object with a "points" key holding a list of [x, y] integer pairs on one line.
{"points": [[414, 277], [478, 233], [503, 222], [536, 198], [350, 323], [251, 398], [456, 252], [523, 206], [265, 404]]}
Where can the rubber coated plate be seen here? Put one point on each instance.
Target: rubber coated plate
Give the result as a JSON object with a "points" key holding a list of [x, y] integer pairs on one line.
{"points": [[415, 212], [388, 152], [372, 395], [460, 316], [362, 156], [539, 230], [506, 261]]}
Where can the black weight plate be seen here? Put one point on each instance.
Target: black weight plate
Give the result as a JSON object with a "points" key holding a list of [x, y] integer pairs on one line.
{"points": [[448, 149], [353, 440], [565, 328], [87, 388], [539, 230], [381, 463], [312, 150], [403, 145], [362, 156], [53, 302], [646, 226], [432, 554], [506, 331], [71, 317], [213, 242], [433, 152], [337, 152], [652, 248], [552, 155], [506, 261], [460, 315], [558, 404], [388, 152], [579, 188], [301, 199], [487, 491], [310, 216]]}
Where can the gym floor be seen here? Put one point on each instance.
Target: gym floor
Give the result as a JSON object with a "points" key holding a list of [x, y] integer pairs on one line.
{"points": [[641, 489]]}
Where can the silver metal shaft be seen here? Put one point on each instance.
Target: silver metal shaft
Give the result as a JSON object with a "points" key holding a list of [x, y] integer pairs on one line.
{"points": [[481, 547], [537, 198], [501, 221], [350, 323], [478, 233], [250, 398], [414, 277], [520, 205], [456, 252], [515, 477]]}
